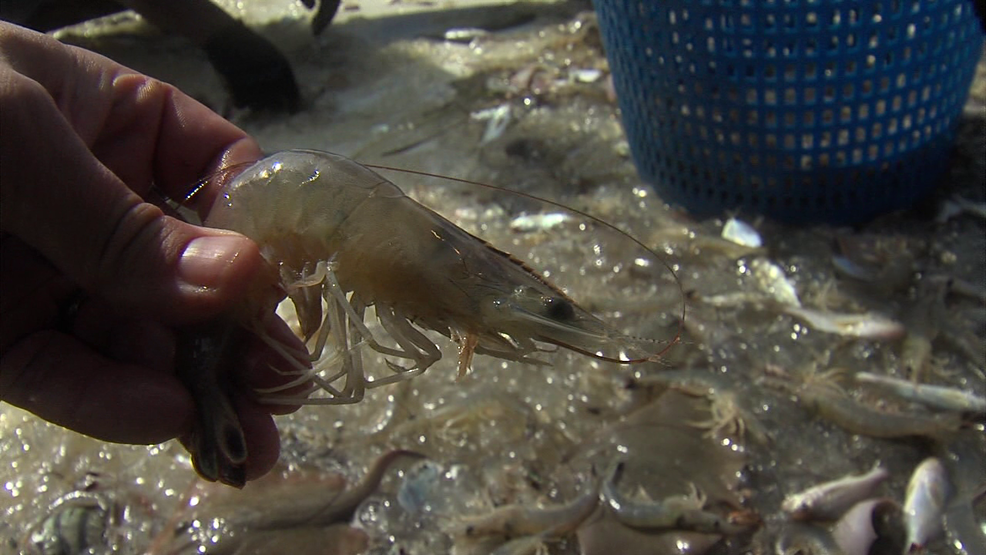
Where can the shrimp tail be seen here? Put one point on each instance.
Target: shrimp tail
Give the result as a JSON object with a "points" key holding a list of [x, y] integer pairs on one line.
{"points": [[217, 444]]}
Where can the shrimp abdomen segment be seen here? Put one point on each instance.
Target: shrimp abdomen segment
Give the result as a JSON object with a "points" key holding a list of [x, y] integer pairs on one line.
{"points": [[395, 252]]}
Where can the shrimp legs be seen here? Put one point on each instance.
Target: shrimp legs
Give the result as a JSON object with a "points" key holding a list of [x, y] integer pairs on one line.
{"points": [[343, 324]]}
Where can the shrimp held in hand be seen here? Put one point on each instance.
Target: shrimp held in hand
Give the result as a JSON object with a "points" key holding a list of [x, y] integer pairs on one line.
{"points": [[341, 238]]}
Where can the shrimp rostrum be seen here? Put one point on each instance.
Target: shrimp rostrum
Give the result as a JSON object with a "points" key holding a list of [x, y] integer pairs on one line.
{"points": [[341, 239]]}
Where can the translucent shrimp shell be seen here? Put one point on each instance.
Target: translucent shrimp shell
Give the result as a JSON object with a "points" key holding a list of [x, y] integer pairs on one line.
{"points": [[305, 206]]}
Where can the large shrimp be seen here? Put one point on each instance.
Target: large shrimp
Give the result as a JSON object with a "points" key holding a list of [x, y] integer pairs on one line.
{"points": [[334, 231]]}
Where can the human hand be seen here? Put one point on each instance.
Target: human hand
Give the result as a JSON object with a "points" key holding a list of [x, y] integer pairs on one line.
{"points": [[83, 139]]}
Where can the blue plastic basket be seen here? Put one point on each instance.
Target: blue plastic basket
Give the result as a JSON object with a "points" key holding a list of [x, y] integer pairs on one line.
{"points": [[802, 110]]}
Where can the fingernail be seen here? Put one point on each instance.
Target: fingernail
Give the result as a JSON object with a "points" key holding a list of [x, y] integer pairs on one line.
{"points": [[206, 259]]}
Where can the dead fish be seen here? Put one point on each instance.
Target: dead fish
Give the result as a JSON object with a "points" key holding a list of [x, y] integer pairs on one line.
{"points": [[867, 326], [927, 493], [285, 514], [829, 500], [934, 396]]}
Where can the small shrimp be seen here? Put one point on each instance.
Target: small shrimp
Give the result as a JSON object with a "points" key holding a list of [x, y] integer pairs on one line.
{"points": [[527, 545], [518, 520], [915, 354], [923, 320], [828, 400], [278, 510], [554, 523], [677, 512], [867, 326], [934, 396], [338, 235], [848, 414], [729, 418]]}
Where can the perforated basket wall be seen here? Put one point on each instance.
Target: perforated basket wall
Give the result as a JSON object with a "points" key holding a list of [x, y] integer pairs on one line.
{"points": [[802, 110]]}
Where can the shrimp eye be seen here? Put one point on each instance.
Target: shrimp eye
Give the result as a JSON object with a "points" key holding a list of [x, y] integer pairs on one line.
{"points": [[558, 308]]}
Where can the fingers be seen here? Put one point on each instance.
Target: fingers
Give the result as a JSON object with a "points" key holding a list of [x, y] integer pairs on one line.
{"points": [[63, 381], [113, 378], [154, 127], [266, 364], [144, 343], [84, 220], [266, 367], [80, 214], [163, 268], [263, 440], [32, 292]]}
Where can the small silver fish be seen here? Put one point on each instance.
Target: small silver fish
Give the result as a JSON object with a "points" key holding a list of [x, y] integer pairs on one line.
{"points": [[934, 396], [867, 326], [538, 222], [829, 500], [927, 493]]}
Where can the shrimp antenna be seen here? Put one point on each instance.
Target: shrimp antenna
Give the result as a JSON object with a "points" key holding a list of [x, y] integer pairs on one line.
{"points": [[156, 196], [220, 176], [591, 218], [181, 208]]}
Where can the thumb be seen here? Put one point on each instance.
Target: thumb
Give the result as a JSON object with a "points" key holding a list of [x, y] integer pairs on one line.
{"points": [[146, 263], [58, 198], [162, 267]]}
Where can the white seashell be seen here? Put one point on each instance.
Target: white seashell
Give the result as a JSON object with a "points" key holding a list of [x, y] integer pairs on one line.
{"points": [[741, 233]]}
